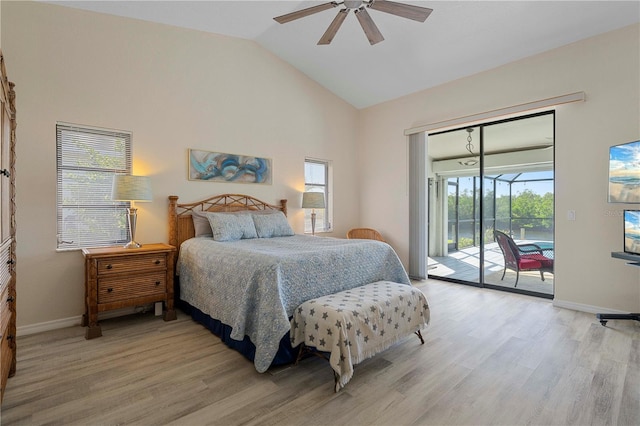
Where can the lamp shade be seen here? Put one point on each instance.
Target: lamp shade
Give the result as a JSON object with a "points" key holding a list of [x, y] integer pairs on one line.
{"points": [[131, 188], [313, 200]]}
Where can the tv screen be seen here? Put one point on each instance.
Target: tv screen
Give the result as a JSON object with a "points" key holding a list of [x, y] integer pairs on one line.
{"points": [[632, 231], [624, 173]]}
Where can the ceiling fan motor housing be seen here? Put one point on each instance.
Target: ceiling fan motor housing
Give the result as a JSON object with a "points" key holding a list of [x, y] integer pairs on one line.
{"points": [[353, 4]]}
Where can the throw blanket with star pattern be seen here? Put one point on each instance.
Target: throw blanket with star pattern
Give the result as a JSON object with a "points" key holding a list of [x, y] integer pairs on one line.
{"points": [[356, 324]]}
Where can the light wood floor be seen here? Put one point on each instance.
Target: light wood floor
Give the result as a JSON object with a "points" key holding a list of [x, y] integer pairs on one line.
{"points": [[490, 358]]}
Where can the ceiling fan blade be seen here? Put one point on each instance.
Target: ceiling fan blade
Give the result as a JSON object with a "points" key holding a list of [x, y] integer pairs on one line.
{"points": [[370, 29], [304, 12], [409, 11], [328, 36]]}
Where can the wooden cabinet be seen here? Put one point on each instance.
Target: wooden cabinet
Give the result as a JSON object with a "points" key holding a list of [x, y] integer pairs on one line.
{"points": [[116, 277], [7, 229]]}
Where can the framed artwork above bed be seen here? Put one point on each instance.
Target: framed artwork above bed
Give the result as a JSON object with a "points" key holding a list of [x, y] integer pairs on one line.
{"points": [[221, 167]]}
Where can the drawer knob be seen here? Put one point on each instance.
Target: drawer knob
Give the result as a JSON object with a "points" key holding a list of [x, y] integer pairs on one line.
{"points": [[10, 299], [5, 172], [109, 266], [109, 290], [157, 262], [157, 283]]}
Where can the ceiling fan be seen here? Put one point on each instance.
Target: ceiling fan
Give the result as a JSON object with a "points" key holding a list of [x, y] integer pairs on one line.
{"points": [[372, 32]]}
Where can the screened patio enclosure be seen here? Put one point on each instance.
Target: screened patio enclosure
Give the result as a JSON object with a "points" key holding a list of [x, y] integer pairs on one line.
{"points": [[502, 188], [520, 204]]}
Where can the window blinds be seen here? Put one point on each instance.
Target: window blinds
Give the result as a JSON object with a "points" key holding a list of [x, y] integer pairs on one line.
{"points": [[86, 160], [316, 178]]}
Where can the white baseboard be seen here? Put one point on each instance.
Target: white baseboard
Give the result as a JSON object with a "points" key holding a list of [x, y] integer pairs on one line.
{"points": [[25, 330], [590, 309]]}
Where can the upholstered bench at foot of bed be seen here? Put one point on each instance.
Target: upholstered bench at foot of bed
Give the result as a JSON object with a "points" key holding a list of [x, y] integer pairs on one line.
{"points": [[356, 324]]}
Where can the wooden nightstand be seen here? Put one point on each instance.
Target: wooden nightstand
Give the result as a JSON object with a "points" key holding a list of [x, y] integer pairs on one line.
{"points": [[116, 278]]}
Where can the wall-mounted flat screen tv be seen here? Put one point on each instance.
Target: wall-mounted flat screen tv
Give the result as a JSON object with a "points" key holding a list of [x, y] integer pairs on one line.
{"points": [[624, 173], [632, 231]]}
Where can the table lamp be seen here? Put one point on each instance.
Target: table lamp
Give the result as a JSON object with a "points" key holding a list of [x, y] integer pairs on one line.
{"points": [[313, 200], [131, 188]]}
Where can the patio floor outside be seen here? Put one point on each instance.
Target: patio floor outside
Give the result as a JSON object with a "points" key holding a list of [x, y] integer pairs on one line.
{"points": [[465, 265]]}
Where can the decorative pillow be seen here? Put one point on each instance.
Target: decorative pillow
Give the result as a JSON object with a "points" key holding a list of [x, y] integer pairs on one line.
{"points": [[272, 225], [201, 224], [230, 227]]}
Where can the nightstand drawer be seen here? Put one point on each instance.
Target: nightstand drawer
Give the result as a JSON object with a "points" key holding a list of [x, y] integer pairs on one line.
{"points": [[115, 265], [116, 289]]}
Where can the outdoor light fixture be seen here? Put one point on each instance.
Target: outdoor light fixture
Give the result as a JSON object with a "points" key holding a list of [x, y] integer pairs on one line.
{"points": [[469, 161]]}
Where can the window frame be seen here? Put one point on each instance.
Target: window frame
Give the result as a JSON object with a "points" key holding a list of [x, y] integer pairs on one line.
{"points": [[327, 224], [116, 210]]}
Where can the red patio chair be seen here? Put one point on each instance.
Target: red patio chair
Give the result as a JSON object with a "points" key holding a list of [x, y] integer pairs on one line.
{"points": [[522, 257]]}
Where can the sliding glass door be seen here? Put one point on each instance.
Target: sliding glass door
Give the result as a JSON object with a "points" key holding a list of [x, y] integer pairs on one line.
{"points": [[490, 180]]}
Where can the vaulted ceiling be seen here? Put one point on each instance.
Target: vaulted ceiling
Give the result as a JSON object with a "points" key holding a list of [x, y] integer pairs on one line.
{"points": [[460, 38]]}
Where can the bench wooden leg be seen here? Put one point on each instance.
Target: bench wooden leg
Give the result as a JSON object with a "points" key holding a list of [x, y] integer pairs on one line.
{"points": [[300, 353], [306, 350]]}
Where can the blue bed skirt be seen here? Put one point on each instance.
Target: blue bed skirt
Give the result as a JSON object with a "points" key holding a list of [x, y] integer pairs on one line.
{"points": [[285, 355]]}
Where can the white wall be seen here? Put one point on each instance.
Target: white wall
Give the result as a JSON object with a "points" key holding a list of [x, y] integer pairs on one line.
{"points": [[607, 69], [174, 89], [177, 89]]}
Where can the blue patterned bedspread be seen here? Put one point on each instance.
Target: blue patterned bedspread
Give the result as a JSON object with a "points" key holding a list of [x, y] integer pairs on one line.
{"points": [[254, 285]]}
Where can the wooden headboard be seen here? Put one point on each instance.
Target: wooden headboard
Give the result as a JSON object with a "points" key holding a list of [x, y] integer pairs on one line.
{"points": [[181, 224]]}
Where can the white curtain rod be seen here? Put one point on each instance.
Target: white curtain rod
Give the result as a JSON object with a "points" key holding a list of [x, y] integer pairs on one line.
{"points": [[502, 112]]}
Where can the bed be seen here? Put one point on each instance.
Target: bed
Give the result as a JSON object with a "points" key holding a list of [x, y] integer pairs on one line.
{"points": [[245, 290]]}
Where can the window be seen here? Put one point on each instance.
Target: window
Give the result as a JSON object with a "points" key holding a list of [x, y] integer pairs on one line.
{"points": [[316, 178], [86, 160]]}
